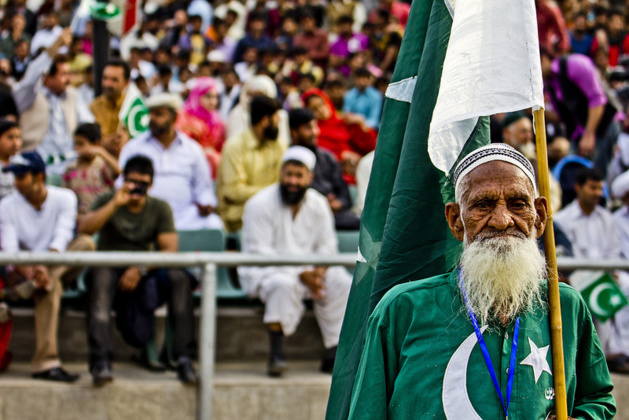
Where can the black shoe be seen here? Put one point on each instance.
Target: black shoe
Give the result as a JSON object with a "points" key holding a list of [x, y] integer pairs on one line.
{"points": [[327, 364], [56, 374], [101, 373], [619, 365], [277, 366], [185, 371], [143, 360]]}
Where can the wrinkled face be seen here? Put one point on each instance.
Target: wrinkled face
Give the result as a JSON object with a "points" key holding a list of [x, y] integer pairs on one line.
{"points": [[10, 142], [58, 83], [590, 193], [497, 200], [306, 134], [319, 108], [113, 82], [209, 100]]}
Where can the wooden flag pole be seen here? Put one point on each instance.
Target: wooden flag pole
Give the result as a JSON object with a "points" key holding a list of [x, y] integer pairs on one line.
{"points": [[556, 337]]}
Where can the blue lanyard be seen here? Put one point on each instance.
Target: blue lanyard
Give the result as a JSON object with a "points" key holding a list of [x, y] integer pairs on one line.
{"points": [[487, 357]]}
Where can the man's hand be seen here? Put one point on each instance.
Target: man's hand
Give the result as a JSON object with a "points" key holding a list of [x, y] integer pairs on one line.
{"points": [[313, 279], [130, 279], [205, 211], [586, 144], [121, 197], [40, 276], [335, 203]]}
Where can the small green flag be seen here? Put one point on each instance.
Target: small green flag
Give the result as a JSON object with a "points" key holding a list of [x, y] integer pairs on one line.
{"points": [[133, 112], [104, 11], [604, 297]]}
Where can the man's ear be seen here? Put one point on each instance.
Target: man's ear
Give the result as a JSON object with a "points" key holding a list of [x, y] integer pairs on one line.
{"points": [[541, 217], [453, 216]]}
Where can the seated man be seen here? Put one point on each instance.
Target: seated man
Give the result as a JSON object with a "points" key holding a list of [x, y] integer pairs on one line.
{"points": [[432, 343], [291, 219], [250, 160], [328, 178], [182, 174], [130, 220], [40, 217]]}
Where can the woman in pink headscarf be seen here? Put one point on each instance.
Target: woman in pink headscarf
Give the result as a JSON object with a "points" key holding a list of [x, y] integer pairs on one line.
{"points": [[199, 119]]}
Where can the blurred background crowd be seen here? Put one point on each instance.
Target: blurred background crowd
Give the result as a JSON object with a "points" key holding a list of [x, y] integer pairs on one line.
{"points": [[245, 79]]}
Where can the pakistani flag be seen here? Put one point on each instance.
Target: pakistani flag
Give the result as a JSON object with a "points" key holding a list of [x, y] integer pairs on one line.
{"points": [[604, 297], [133, 112], [459, 63], [122, 16]]}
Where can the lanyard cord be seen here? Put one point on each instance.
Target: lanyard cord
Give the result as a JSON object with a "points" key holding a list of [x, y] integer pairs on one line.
{"points": [[487, 357]]}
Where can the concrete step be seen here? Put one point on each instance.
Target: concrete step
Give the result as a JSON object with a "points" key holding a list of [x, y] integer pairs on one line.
{"points": [[242, 391], [240, 336]]}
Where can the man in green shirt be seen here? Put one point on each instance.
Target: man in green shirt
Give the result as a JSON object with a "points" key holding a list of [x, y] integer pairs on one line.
{"points": [[423, 357], [130, 220]]}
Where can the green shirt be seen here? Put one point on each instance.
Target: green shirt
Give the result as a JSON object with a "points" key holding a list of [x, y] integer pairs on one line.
{"points": [[126, 231], [421, 329]]}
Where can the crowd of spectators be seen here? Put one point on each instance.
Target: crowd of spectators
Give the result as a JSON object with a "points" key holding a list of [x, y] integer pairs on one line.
{"points": [[229, 86]]}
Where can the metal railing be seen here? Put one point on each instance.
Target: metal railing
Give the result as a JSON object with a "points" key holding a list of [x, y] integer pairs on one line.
{"points": [[209, 261]]}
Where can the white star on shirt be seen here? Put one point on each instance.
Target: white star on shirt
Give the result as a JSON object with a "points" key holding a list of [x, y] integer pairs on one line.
{"points": [[537, 360]]}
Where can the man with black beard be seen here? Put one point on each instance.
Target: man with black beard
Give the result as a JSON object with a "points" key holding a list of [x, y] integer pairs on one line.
{"points": [[475, 343], [328, 178], [250, 160], [182, 174], [290, 218]]}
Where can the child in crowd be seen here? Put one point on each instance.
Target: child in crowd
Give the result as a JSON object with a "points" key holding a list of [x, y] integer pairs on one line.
{"points": [[95, 169], [10, 145]]}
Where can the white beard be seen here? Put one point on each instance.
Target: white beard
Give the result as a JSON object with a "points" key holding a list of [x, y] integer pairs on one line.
{"points": [[502, 276]]}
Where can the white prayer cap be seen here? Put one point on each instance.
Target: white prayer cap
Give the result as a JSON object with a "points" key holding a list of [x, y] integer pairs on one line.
{"points": [[620, 186], [217, 56], [300, 154], [490, 153], [166, 100]]}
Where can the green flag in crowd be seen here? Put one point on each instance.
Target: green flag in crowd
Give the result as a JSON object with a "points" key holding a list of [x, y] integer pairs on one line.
{"points": [[604, 297], [133, 112], [449, 76]]}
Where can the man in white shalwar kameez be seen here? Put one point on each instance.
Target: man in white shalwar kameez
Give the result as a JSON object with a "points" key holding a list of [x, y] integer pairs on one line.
{"points": [[289, 218], [593, 232]]}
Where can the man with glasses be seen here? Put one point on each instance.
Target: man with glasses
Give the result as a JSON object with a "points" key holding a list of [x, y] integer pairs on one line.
{"points": [[130, 220], [40, 217]]}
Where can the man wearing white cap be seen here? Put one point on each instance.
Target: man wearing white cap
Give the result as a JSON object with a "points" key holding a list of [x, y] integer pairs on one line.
{"points": [[182, 174], [475, 343], [289, 218]]}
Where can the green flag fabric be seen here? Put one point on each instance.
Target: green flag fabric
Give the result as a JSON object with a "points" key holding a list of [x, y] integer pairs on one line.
{"points": [[404, 235], [604, 297], [453, 71], [133, 112]]}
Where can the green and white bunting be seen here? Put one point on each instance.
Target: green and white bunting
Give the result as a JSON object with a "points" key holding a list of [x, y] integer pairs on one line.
{"points": [[133, 112], [458, 63], [604, 297]]}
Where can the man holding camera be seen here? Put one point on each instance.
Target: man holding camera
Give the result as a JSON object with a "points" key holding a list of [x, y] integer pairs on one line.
{"points": [[130, 220]]}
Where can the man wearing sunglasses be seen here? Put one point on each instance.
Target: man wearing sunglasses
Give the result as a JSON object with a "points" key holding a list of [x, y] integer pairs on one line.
{"points": [[130, 220]]}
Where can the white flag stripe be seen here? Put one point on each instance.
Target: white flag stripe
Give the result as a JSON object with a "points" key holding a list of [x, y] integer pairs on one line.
{"points": [[492, 65], [403, 90]]}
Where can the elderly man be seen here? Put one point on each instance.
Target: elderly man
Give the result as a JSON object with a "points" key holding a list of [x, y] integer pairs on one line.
{"points": [[421, 358], [290, 218], [182, 174]]}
